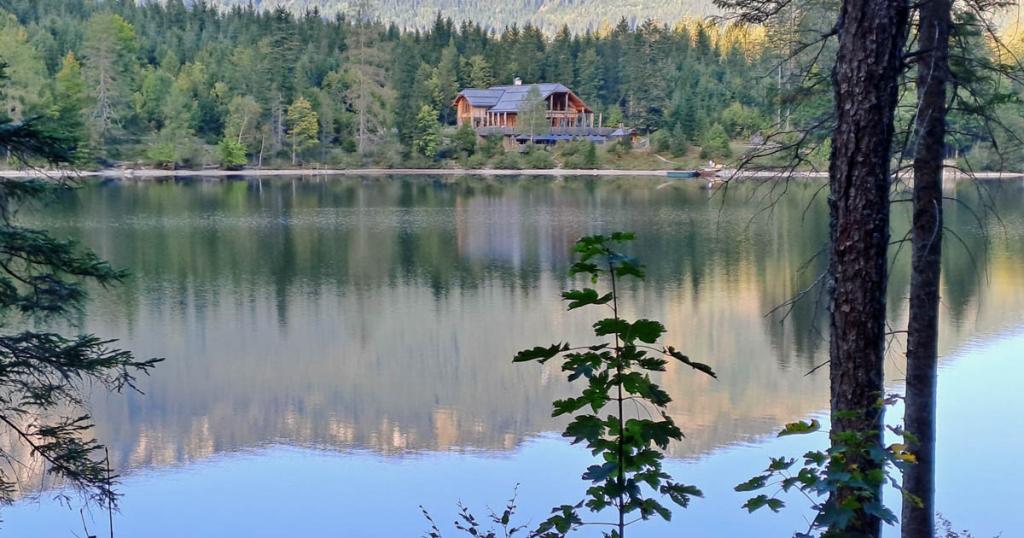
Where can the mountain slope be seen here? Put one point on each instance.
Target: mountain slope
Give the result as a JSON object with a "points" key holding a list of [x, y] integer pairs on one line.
{"points": [[579, 15]]}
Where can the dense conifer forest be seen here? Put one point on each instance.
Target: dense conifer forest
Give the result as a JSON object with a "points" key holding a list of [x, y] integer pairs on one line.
{"points": [[549, 15], [176, 85]]}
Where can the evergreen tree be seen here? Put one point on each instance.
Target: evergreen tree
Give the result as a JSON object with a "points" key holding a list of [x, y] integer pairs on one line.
{"points": [[47, 376], [446, 83], [591, 77], [24, 67], [427, 136], [561, 59], [175, 143], [479, 73], [149, 100], [68, 101], [715, 144], [677, 142], [109, 50]]}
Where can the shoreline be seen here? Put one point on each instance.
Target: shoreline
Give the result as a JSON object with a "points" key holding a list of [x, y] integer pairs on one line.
{"points": [[145, 173]]}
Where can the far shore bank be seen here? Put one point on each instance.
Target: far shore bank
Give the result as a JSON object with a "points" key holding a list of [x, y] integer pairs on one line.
{"points": [[146, 173]]}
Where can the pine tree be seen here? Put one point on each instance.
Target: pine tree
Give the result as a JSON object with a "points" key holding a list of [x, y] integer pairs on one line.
{"points": [[591, 77], [176, 143], [715, 144], [67, 104], [25, 69], [560, 58], [47, 376], [426, 137], [479, 73], [446, 83], [109, 48]]}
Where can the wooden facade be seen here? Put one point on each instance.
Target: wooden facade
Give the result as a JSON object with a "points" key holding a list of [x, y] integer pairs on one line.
{"points": [[499, 106]]}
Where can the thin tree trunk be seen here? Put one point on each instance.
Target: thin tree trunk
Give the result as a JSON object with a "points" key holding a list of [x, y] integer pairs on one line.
{"points": [[872, 34], [923, 329], [263, 143]]}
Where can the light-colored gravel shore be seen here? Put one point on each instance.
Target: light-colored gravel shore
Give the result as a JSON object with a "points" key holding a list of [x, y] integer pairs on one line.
{"points": [[128, 173]]}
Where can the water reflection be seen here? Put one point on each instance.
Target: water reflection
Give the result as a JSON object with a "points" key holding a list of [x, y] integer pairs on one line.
{"points": [[381, 314]]}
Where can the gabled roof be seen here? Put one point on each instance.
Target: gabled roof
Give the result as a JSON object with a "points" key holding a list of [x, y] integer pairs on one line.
{"points": [[513, 96], [509, 98], [485, 98]]}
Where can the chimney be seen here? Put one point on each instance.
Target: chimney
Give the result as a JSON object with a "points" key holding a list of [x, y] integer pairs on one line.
{"points": [[517, 81]]}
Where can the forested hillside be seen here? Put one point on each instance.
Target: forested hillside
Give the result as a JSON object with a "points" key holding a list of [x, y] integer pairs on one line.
{"points": [[163, 82], [173, 85], [549, 15]]}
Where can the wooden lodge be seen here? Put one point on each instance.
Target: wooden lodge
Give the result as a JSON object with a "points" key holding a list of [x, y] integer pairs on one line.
{"points": [[499, 106]]}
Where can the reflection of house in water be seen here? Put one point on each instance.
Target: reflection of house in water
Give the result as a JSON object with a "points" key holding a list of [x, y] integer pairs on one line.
{"points": [[372, 356], [496, 111], [491, 229]]}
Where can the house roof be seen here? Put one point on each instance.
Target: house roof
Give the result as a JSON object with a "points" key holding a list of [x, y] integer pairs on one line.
{"points": [[486, 98], [509, 98]]}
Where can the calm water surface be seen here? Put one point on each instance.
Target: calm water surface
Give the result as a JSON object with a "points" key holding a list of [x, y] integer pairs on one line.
{"points": [[338, 351]]}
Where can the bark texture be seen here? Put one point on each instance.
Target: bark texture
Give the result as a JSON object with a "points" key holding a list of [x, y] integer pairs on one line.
{"points": [[872, 34], [922, 336]]}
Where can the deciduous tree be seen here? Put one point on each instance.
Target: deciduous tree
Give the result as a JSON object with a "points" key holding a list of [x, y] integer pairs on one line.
{"points": [[303, 127]]}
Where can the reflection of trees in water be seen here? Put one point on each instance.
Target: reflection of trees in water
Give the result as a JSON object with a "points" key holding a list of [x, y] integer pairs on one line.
{"points": [[382, 313]]}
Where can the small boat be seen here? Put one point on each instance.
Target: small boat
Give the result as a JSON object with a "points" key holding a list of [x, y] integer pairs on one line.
{"points": [[683, 174]]}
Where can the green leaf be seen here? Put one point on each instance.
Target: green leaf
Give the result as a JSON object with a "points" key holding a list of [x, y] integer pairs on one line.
{"points": [[539, 353], [611, 326], [781, 464], [628, 267], [681, 493], [699, 366], [800, 428], [568, 406], [649, 507], [816, 457], [753, 484], [623, 236], [585, 297], [582, 267], [598, 473], [645, 330], [585, 428], [654, 364], [761, 501]]}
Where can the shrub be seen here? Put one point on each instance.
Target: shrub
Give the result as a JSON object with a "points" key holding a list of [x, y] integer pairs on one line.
{"points": [[677, 143], [232, 154], [538, 158], [490, 147], [464, 140], [715, 144], [476, 162], [509, 161], [661, 141]]}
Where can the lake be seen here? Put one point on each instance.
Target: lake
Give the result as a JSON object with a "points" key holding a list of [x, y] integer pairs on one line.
{"points": [[339, 350]]}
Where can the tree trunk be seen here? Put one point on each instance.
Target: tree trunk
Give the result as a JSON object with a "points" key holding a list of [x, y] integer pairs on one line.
{"points": [[866, 75], [923, 329]]}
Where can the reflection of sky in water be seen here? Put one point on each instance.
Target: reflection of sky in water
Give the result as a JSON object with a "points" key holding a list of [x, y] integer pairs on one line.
{"points": [[284, 491], [374, 320]]}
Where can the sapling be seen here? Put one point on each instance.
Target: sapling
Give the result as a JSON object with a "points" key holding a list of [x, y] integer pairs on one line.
{"points": [[630, 441]]}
